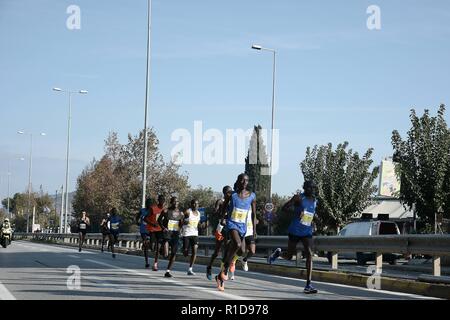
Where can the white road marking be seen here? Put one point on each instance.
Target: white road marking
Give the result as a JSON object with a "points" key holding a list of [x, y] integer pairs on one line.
{"points": [[393, 293], [220, 294], [5, 294], [353, 287]]}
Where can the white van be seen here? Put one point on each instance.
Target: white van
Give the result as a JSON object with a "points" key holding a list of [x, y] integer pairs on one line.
{"points": [[368, 228]]}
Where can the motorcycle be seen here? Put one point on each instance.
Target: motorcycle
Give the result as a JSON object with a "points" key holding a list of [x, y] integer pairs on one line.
{"points": [[5, 237]]}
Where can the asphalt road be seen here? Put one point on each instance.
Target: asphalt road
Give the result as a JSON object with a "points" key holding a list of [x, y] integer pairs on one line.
{"points": [[40, 271]]}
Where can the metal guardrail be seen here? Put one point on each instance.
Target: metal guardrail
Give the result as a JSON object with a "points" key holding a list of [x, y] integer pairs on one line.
{"points": [[433, 245]]}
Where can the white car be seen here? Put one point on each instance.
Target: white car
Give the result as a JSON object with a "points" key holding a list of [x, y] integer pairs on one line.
{"points": [[368, 228]]}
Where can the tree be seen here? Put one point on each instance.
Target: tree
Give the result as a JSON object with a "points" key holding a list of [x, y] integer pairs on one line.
{"points": [[256, 165], [344, 183], [115, 180], [423, 165], [44, 209]]}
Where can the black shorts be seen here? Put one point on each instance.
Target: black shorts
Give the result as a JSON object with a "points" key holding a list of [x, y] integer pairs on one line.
{"points": [[250, 240], [82, 231], [115, 235], [295, 238], [156, 237], [145, 236], [172, 237], [189, 242]]}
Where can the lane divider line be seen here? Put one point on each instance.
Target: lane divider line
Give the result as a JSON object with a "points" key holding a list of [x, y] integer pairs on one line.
{"points": [[216, 293]]}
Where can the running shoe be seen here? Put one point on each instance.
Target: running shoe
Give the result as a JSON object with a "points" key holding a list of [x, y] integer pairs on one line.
{"points": [[274, 256], [114, 255], [309, 289], [220, 284], [231, 275], [190, 273], [208, 273], [168, 275], [155, 267], [244, 265], [147, 266], [79, 250]]}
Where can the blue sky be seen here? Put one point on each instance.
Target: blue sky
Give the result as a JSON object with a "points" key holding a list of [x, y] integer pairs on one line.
{"points": [[336, 80]]}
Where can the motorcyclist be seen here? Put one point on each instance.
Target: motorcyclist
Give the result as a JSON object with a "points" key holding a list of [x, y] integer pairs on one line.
{"points": [[6, 224]]}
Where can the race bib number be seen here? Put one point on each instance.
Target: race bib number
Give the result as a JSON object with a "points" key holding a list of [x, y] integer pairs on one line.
{"points": [[82, 226], [239, 215], [173, 225], [115, 226], [193, 223], [307, 218]]}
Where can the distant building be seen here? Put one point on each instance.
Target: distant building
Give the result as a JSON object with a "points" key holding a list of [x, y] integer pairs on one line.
{"points": [[387, 201]]}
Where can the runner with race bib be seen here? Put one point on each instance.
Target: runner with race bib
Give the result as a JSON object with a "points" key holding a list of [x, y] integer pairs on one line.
{"points": [[170, 221], [241, 204], [300, 229]]}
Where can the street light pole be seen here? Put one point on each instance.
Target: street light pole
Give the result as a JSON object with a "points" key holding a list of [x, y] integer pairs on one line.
{"points": [[258, 47], [66, 210], [9, 174], [29, 181], [147, 85], [30, 170], [147, 94], [69, 118]]}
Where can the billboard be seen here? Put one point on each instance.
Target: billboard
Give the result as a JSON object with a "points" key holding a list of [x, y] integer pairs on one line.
{"points": [[389, 183]]}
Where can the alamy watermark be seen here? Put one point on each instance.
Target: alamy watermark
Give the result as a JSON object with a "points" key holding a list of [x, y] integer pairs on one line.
{"points": [[73, 22], [74, 279], [374, 281], [216, 147], [374, 20]]}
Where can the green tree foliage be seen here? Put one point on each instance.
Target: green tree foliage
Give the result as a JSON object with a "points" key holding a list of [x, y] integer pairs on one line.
{"points": [[344, 183], [423, 165], [45, 214], [115, 180]]}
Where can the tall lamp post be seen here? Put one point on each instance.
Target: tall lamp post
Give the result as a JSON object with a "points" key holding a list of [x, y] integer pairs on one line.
{"points": [[260, 48], [30, 169], [147, 87], [66, 210]]}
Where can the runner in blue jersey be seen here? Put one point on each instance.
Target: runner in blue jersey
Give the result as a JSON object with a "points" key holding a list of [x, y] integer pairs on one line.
{"points": [[237, 206], [300, 229], [114, 227]]}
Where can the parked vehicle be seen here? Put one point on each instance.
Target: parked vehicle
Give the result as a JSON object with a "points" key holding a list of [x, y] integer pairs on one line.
{"points": [[368, 228]]}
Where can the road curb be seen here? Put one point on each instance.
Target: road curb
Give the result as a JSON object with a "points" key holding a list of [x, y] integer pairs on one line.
{"points": [[436, 290]]}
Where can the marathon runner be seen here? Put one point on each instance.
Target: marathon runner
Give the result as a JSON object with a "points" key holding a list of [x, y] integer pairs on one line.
{"points": [[220, 233], [115, 223], [248, 247], [83, 224], [104, 228], [170, 221], [300, 229], [241, 204], [143, 221], [156, 233], [190, 233]]}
